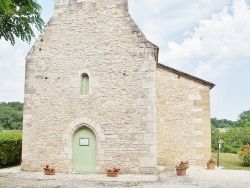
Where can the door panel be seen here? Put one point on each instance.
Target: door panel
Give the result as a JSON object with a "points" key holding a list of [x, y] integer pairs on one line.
{"points": [[84, 151]]}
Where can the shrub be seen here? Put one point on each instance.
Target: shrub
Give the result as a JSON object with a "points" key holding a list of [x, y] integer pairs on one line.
{"points": [[244, 155], [10, 148], [226, 148]]}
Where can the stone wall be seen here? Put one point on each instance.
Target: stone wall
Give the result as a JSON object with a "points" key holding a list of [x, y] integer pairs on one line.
{"points": [[98, 38], [183, 119]]}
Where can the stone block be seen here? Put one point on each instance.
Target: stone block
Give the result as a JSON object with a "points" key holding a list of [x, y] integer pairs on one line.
{"points": [[150, 139], [147, 162]]}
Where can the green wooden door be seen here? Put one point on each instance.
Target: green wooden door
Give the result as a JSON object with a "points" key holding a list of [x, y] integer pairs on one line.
{"points": [[84, 151]]}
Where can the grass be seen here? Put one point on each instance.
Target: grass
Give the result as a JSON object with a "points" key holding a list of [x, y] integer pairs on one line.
{"points": [[230, 161]]}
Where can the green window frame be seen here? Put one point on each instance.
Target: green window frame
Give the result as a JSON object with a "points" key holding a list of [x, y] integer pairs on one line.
{"points": [[85, 84]]}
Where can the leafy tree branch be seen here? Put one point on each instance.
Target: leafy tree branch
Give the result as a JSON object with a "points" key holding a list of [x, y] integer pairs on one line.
{"points": [[17, 18]]}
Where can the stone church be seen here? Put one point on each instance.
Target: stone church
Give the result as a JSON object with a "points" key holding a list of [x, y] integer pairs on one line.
{"points": [[97, 97]]}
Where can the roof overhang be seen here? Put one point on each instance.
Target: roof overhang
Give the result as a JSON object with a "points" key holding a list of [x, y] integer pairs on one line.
{"points": [[180, 73]]}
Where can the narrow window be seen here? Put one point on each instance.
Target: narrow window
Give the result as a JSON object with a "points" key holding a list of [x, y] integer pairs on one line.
{"points": [[85, 84]]}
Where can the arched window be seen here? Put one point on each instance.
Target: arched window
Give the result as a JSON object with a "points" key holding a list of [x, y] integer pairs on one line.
{"points": [[84, 84]]}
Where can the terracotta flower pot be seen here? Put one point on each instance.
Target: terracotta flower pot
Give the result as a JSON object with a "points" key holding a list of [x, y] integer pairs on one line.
{"points": [[181, 172], [112, 174], [46, 172], [210, 166]]}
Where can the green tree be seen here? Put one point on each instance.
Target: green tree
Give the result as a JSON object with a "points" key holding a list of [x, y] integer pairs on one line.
{"points": [[11, 115], [244, 119], [17, 18], [237, 135], [222, 123], [215, 136], [232, 140]]}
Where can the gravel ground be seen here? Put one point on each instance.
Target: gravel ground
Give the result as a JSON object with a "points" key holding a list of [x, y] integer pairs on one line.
{"points": [[196, 177]]}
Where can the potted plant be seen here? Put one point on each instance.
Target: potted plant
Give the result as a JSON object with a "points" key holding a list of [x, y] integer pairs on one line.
{"points": [[181, 168], [112, 172], [184, 164], [180, 171], [49, 170], [211, 164]]}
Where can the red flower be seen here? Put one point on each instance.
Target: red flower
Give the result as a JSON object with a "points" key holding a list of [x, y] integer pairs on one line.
{"points": [[112, 169], [48, 168]]}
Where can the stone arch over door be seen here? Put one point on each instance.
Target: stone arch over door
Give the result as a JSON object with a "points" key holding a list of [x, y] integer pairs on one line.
{"points": [[68, 136]]}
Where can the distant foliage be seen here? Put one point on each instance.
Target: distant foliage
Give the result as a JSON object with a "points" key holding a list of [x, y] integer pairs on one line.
{"points": [[244, 155], [244, 119], [222, 123], [215, 136], [236, 137], [10, 148], [11, 116]]}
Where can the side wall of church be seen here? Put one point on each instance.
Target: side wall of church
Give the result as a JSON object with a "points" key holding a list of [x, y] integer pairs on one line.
{"points": [[183, 120], [100, 39]]}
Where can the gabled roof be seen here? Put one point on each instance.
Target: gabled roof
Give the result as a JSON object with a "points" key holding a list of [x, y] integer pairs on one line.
{"points": [[180, 73]]}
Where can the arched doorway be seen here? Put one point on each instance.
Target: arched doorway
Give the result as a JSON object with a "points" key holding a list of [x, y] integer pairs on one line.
{"points": [[84, 150]]}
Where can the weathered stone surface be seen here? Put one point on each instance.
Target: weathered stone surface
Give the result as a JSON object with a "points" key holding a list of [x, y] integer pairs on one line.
{"points": [[183, 119], [96, 37], [99, 38]]}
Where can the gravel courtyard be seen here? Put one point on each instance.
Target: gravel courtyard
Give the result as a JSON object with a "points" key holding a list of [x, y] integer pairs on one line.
{"points": [[196, 177]]}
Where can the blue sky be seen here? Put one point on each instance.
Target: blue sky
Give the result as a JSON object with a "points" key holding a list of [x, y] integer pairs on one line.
{"points": [[206, 38]]}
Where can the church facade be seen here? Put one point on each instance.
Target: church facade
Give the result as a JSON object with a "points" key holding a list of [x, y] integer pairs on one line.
{"points": [[97, 97]]}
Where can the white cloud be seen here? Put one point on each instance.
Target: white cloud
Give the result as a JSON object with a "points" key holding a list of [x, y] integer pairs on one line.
{"points": [[217, 45], [162, 21]]}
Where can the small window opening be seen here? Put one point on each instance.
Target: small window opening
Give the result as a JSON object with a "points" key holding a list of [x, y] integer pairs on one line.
{"points": [[85, 84]]}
